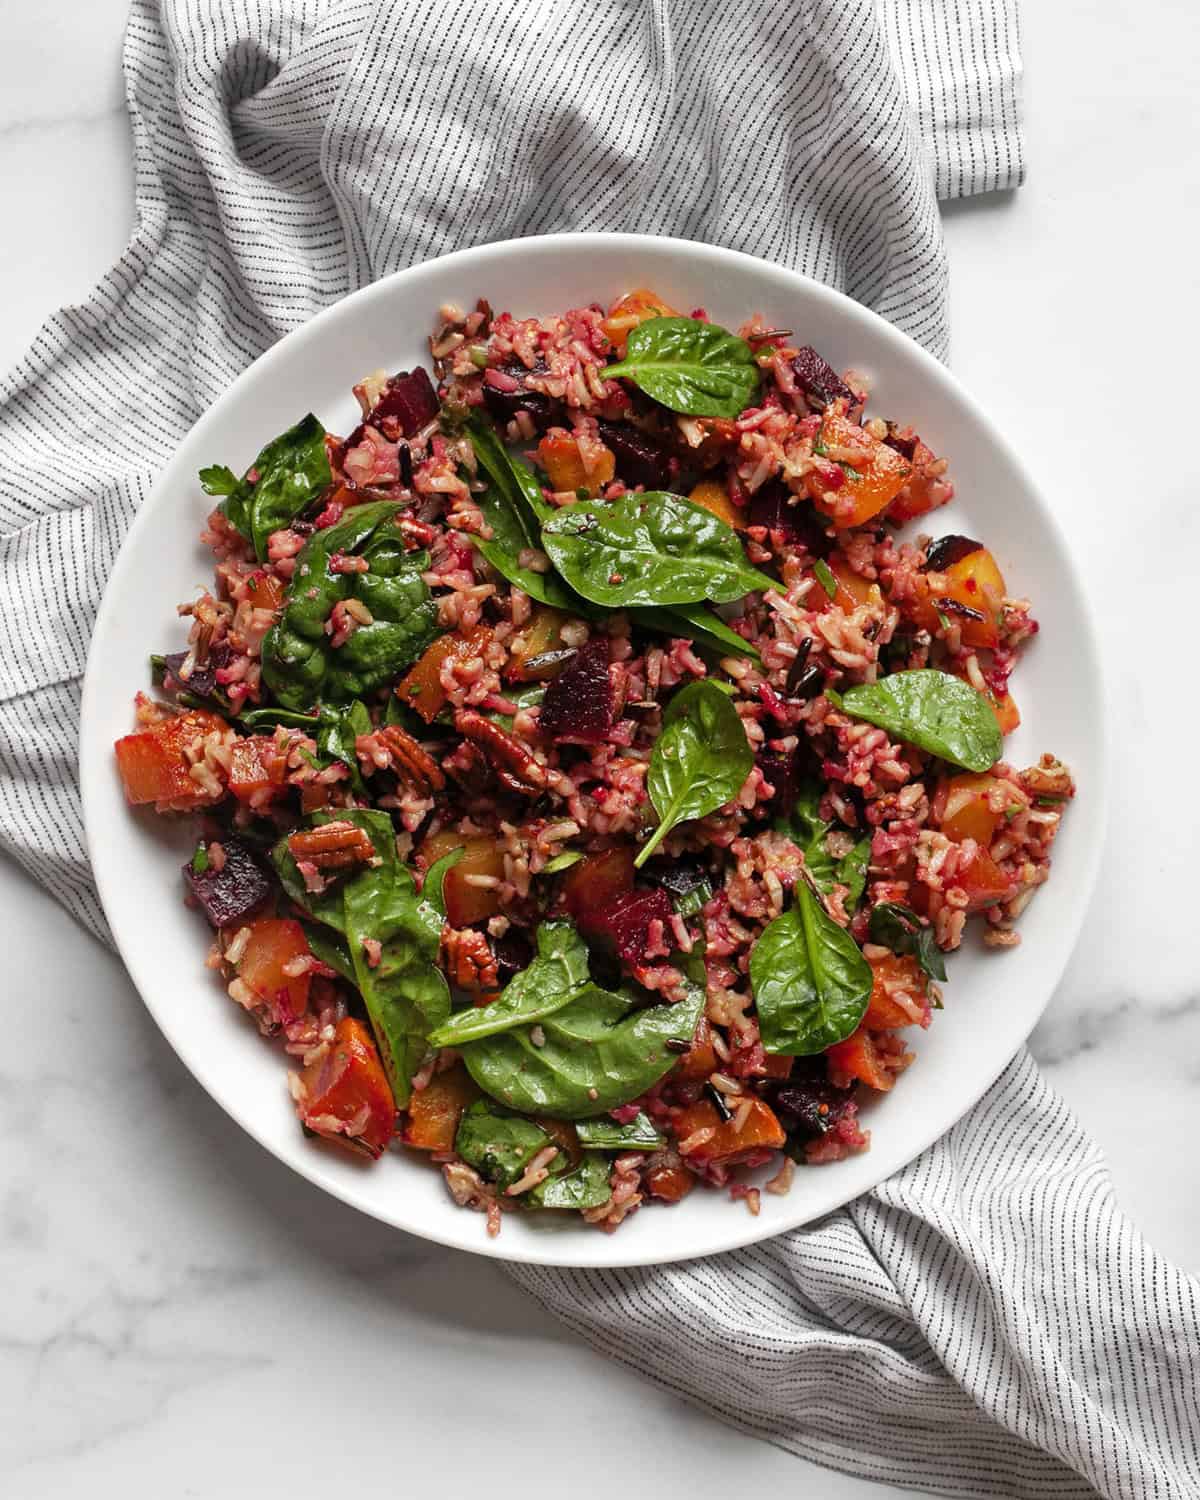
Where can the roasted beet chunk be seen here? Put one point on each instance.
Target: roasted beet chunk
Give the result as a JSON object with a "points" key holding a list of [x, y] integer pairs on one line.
{"points": [[504, 405], [640, 459], [807, 1103], [783, 772], [231, 893], [513, 953], [948, 550], [580, 703], [903, 439], [818, 379], [624, 923], [409, 402], [772, 507]]}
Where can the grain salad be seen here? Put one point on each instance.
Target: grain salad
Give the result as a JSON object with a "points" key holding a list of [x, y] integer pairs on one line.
{"points": [[594, 758]]}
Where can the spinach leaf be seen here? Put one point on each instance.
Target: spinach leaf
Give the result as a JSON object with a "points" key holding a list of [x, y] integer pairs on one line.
{"points": [[405, 995], [299, 665], [546, 985], [900, 929], [692, 622], [585, 1186], [331, 949], [931, 709], [852, 872], [497, 1144], [334, 729], [811, 983], [503, 550], [825, 577], [649, 549], [700, 760], [515, 479], [604, 1134], [292, 471], [695, 368], [598, 1052]]}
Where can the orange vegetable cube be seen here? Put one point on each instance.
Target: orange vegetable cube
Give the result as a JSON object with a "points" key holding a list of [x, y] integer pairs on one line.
{"points": [[273, 943], [264, 590], [574, 463], [695, 1065], [421, 686], [154, 767], [345, 1097], [482, 855], [872, 481], [963, 808], [858, 1057], [435, 1110], [255, 767], [714, 497], [897, 993], [628, 311], [670, 1183], [541, 633], [984, 882], [970, 593], [727, 1143]]}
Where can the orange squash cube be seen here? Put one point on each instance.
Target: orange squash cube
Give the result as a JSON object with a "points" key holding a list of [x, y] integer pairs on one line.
{"points": [[435, 1110], [153, 765], [482, 855], [571, 464], [727, 1143], [421, 686], [273, 943], [871, 483], [858, 1057], [345, 1096], [892, 972], [714, 497], [628, 311]]}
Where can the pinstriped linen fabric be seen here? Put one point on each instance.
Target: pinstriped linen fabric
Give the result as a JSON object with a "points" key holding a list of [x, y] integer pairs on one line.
{"points": [[983, 1324]]}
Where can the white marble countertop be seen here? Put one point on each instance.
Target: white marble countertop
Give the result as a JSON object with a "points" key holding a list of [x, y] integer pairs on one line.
{"points": [[173, 1297]]}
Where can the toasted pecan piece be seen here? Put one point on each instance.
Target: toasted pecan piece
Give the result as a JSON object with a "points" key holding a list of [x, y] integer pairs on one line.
{"points": [[414, 766], [470, 962], [332, 846], [514, 763]]}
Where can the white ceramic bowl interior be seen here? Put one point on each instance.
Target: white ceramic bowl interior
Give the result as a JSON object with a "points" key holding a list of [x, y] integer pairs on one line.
{"points": [[992, 1000]]}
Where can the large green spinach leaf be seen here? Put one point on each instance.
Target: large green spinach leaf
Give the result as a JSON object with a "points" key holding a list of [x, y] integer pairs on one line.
{"points": [[811, 983], [699, 762], [548, 983], [931, 709], [699, 369], [584, 1186], [499, 1145], [291, 473], [515, 479], [405, 994], [649, 549], [900, 929], [598, 1052], [299, 664]]}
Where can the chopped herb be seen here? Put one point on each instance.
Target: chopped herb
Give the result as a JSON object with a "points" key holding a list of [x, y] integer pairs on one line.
{"points": [[825, 577], [200, 860], [562, 861]]}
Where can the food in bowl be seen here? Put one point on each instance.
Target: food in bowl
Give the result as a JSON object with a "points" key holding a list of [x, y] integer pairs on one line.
{"points": [[590, 780]]}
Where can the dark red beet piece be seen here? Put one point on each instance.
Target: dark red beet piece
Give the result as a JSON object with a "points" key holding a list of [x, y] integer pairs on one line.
{"points": [[948, 550], [807, 1103], [903, 439], [513, 953], [817, 377], [624, 923], [231, 893], [503, 406], [580, 703], [640, 460], [770, 507], [783, 772], [409, 402]]}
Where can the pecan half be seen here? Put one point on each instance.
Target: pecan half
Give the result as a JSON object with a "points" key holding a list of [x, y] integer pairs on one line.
{"points": [[414, 766], [513, 762], [468, 766], [1049, 778], [333, 846], [470, 962]]}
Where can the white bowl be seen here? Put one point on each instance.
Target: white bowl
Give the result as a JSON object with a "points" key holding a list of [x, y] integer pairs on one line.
{"points": [[993, 999]]}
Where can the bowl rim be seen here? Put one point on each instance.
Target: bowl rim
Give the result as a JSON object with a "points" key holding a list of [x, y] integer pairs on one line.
{"points": [[95, 786]]}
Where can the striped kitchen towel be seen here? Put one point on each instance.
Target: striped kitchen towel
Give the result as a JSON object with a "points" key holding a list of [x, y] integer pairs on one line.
{"points": [[983, 1324]]}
